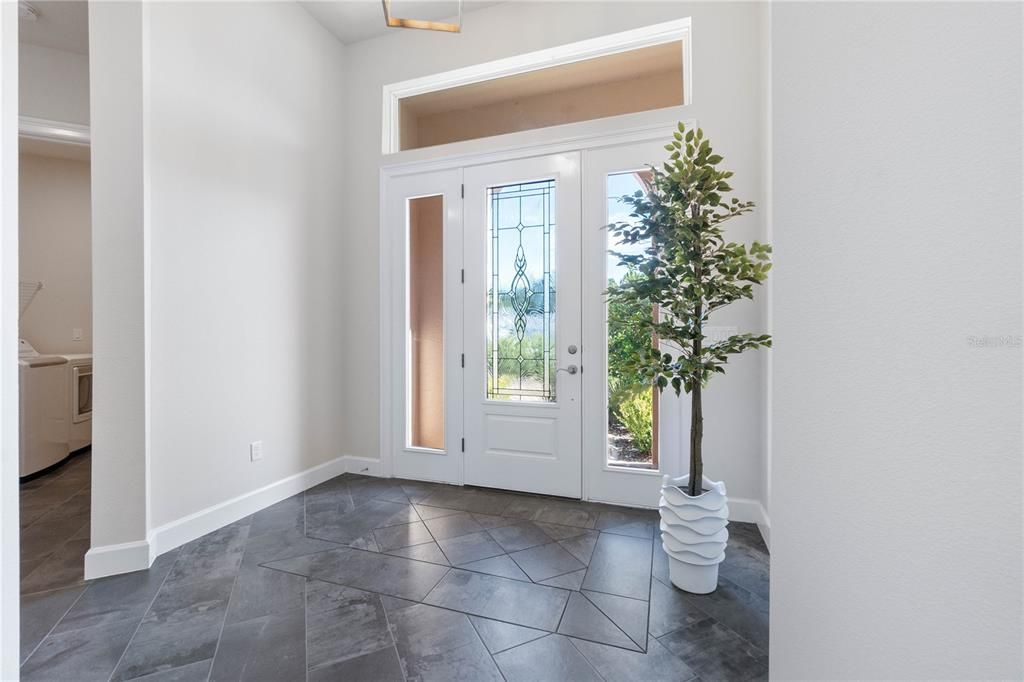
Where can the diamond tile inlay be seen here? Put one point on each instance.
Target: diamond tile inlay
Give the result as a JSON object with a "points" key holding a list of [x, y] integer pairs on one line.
{"points": [[368, 578]]}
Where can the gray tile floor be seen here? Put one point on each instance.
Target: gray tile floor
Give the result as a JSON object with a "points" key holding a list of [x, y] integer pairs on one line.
{"points": [[55, 526], [384, 579]]}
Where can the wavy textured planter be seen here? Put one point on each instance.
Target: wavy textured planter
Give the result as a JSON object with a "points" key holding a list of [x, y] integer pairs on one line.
{"points": [[693, 532]]}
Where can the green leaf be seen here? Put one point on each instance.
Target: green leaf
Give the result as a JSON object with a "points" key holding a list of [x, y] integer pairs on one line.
{"points": [[683, 262]]}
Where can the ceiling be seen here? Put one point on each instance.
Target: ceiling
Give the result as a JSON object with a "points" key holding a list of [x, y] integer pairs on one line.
{"points": [[354, 20], [61, 25], [64, 24]]}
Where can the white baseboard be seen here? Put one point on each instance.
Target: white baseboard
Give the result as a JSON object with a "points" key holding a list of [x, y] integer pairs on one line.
{"points": [[177, 533], [135, 556], [751, 511], [367, 466], [766, 532], [744, 510], [113, 559]]}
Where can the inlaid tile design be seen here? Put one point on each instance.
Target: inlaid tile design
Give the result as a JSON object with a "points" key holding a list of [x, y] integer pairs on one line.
{"points": [[366, 578]]}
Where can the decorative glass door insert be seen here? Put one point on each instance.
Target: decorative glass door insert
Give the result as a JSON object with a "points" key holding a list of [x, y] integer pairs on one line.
{"points": [[521, 351]]}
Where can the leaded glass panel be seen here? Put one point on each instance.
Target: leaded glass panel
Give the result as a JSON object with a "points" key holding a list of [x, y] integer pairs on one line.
{"points": [[521, 282]]}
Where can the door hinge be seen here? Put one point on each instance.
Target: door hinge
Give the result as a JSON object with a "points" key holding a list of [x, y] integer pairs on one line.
{"points": [[462, 191], [463, 359], [463, 276], [463, 444]]}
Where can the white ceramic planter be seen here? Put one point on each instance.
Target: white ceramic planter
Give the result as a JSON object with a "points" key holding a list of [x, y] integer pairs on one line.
{"points": [[693, 533]]}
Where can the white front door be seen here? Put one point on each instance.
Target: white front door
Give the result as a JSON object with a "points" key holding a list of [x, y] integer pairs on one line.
{"points": [[522, 325]]}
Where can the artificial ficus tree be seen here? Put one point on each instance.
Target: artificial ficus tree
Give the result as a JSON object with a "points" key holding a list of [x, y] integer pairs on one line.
{"points": [[688, 271]]}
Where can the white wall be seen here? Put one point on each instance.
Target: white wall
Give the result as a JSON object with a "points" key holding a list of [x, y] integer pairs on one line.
{"points": [[896, 472], [246, 214], [727, 103], [9, 527], [54, 84], [55, 248]]}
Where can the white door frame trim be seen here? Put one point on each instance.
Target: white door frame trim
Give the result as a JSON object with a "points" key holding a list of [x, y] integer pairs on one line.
{"points": [[10, 614], [646, 36], [615, 131]]}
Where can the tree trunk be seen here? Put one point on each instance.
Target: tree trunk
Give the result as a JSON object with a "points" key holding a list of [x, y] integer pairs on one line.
{"points": [[696, 437], [696, 418], [696, 413]]}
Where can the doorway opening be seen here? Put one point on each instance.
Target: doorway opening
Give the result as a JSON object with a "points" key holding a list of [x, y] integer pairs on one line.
{"points": [[55, 320]]}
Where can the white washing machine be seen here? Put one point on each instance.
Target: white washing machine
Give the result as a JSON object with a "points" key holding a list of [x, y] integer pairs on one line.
{"points": [[79, 400], [44, 415]]}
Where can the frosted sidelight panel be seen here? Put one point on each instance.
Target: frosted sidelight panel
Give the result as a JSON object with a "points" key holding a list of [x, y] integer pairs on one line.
{"points": [[426, 323], [521, 283]]}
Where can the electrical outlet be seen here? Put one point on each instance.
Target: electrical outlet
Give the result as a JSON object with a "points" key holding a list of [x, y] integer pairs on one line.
{"points": [[255, 451], [76, 334]]}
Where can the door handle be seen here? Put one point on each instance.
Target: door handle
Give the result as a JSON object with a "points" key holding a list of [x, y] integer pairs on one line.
{"points": [[571, 369]]}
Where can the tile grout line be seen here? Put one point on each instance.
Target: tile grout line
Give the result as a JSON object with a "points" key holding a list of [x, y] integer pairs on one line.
{"points": [[42, 564], [84, 584], [717, 620], [394, 642], [592, 666], [583, 582], [227, 607], [600, 643], [431, 534], [612, 621], [59, 620], [423, 600], [532, 581], [145, 613], [487, 648], [650, 590], [476, 615], [565, 607], [516, 646], [305, 613], [55, 505]]}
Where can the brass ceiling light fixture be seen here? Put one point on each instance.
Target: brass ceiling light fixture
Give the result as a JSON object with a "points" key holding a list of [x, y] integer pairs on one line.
{"points": [[425, 24]]}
